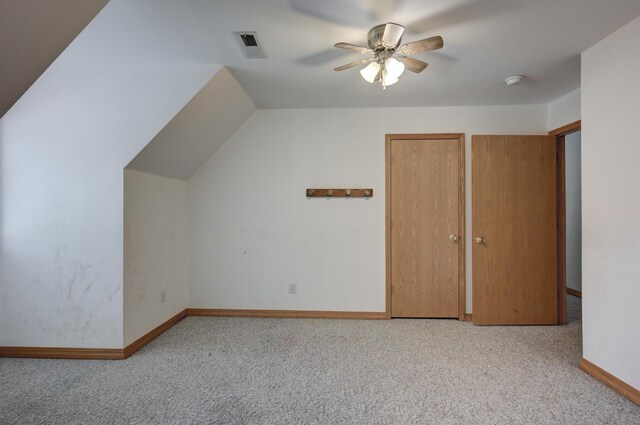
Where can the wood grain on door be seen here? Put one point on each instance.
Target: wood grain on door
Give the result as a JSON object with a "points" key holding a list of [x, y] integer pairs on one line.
{"points": [[514, 230], [425, 227]]}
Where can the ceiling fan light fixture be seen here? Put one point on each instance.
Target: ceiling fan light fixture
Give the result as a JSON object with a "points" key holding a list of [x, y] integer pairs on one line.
{"points": [[370, 72], [388, 79], [390, 58], [394, 68]]}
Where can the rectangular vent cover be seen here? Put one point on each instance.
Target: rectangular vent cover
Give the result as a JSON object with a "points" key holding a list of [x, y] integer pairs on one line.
{"points": [[250, 44]]}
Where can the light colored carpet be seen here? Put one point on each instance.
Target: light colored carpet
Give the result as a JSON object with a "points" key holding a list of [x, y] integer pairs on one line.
{"points": [[280, 371]]}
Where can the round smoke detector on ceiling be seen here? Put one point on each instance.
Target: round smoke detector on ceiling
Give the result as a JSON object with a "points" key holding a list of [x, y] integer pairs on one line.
{"points": [[512, 81]]}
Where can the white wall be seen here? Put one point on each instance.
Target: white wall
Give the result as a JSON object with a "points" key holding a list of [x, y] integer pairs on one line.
{"points": [[156, 251], [254, 231], [564, 110], [573, 192], [63, 147], [611, 203]]}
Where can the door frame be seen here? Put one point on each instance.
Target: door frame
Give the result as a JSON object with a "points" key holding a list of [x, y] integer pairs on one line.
{"points": [[454, 137], [561, 212]]}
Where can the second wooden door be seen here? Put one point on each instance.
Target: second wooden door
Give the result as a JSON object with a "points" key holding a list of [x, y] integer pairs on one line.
{"points": [[514, 230], [426, 225]]}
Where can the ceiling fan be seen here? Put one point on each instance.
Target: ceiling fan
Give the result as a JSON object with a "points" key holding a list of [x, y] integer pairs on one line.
{"points": [[389, 58]]}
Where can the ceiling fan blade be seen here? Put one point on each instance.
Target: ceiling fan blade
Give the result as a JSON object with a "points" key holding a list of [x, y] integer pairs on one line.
{"points": [[352, 64], [353, 47], [432, 43], [413, 65], [392, 35]]}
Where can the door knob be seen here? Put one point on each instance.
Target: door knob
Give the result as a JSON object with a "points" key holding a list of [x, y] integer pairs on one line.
{"points": [[480, 240], [453, 237]]}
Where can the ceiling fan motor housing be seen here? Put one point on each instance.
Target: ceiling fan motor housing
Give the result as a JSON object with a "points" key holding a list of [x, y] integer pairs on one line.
{"points": [[374, 38]]}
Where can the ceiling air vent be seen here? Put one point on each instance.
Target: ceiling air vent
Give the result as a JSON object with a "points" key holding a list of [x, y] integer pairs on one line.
{"points": [[250, 44]]}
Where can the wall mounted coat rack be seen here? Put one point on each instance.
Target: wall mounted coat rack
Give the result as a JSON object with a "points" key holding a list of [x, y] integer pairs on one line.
{"points": [[339, 193]]}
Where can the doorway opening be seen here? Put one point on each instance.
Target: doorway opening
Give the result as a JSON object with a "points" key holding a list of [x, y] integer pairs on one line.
{"points": [[569, 218]]}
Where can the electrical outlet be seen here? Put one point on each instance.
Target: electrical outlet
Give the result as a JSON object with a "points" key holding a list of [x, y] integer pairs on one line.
{"points": [[163, 296], [293, 288]]}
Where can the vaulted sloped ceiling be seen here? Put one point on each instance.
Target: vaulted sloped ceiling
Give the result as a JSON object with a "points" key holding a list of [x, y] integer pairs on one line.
{"points": [[32, 35], [198, 130]]}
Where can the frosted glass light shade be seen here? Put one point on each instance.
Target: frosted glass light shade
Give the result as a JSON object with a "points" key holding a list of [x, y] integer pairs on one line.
{"points": [[394, 68], [388, 79], [370, 72]]}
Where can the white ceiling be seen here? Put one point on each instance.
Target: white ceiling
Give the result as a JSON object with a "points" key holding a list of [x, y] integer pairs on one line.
{"points": [[485, 42]]}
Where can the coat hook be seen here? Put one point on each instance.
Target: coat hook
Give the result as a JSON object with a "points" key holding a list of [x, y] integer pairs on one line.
{"points": [[338, 193]]}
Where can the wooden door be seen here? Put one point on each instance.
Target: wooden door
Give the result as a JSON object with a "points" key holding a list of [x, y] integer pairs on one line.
{"points": [[426, 225], [514, 230]]}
